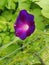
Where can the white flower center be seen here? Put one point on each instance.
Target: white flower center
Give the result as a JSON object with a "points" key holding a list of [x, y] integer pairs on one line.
{"points": [[25, 27]]}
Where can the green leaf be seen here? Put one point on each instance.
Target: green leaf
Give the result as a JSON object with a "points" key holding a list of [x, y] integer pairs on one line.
{"points": [[2, 25], [45, 7], [2, 3], [45, 12], [10, 4], [34, 0], [12, 48], [24, 5], [37, 64], [43, 4], [6, 40], [7, 15], [38, 18]]}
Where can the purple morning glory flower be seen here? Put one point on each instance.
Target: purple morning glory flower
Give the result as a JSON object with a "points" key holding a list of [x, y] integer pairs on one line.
{"points": [[24, 25]]}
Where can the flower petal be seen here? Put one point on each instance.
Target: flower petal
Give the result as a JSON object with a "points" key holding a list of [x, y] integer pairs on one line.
{"points": [[24, 25]]}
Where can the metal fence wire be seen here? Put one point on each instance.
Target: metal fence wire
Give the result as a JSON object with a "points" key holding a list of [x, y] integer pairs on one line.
{"points": [[24, 55]]}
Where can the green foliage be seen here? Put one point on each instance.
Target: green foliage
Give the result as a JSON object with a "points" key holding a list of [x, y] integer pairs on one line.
{"points": [[14, 51], [2, 3], [10, 4], [45, 7]]}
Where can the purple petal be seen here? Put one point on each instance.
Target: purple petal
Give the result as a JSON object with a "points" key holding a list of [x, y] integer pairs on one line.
{"points": [[22, 15], [24, 25], [31, 30]]}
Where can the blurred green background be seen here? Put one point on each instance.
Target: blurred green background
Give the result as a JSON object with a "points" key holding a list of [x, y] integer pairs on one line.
{"points": [[34, 50]]}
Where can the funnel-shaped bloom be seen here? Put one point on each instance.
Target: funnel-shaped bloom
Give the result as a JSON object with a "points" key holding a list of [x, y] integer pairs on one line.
{"points": [[24, 25]]}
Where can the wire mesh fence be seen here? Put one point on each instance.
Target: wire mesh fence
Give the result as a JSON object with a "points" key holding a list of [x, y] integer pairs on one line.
{"points": [[35, 56], [35, 49]]}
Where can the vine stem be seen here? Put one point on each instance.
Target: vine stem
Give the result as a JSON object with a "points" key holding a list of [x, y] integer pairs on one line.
{"points": [[5, 46], [41, 32], [35, 54]]}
